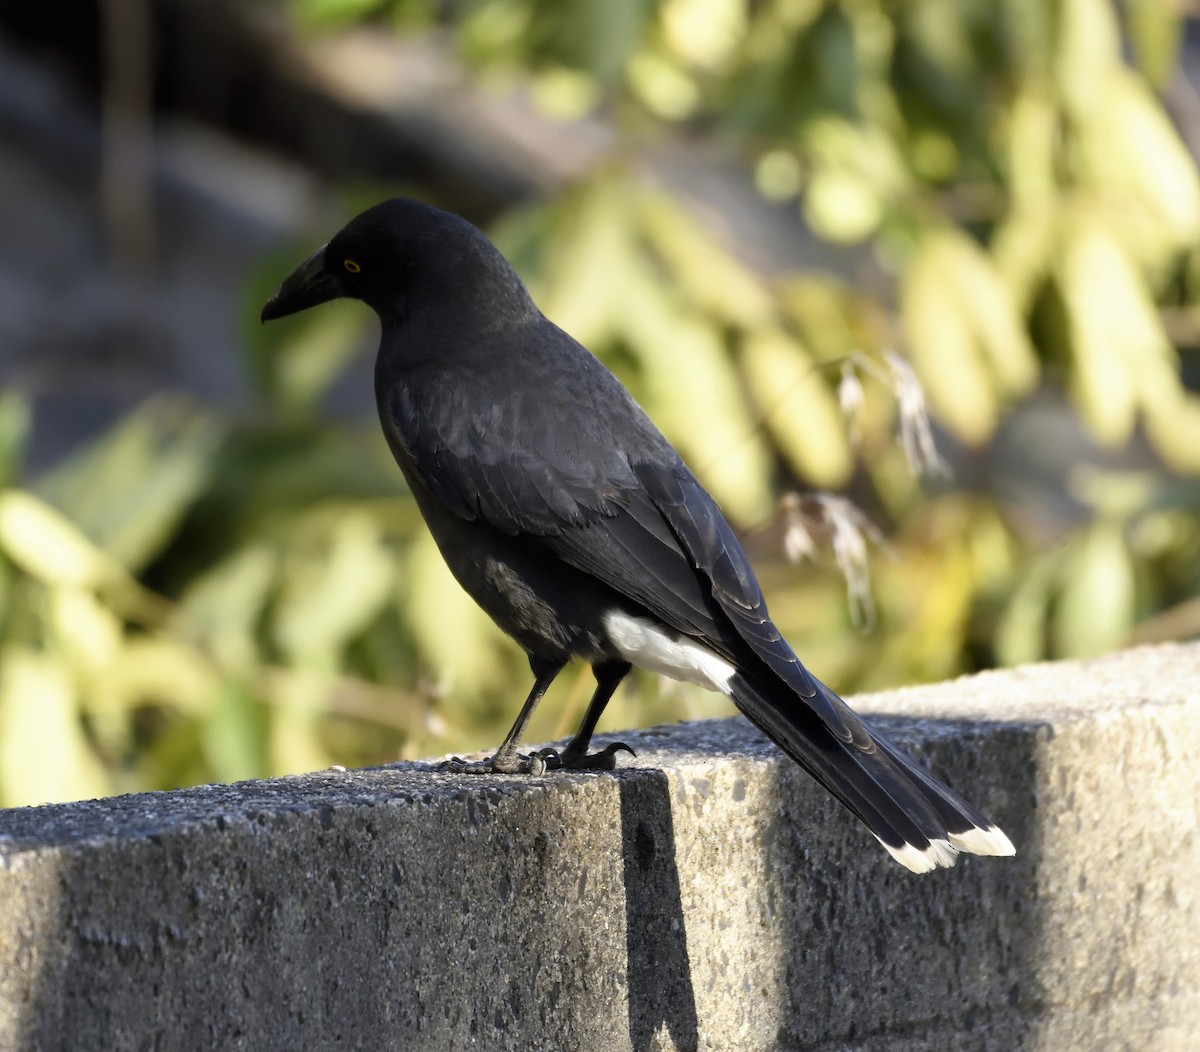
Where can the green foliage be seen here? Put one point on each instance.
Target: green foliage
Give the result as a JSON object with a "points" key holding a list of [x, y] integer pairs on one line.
{"points": [[201, 596]]}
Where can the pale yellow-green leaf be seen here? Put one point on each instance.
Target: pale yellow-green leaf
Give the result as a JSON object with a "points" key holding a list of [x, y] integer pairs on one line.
{"points": [[329, 596], [691, 381], [1155, 28], [999, 331], [44, 755], [1115, 495], [1173, 425], [1095, 608], [777, 175], [590, 253], [1023, 246], [88, 631], [935, 155], [798, 408], [1122, 356], [943, 341], [318, 351], [148, 670], [128, 490], [704, 32], [1145, 152], [453, 636], [708, 275], [294, 742], [1032, 143], [564, 94], [48, 546], [223, 606], [1021, 634], [661, 85], [828, 315], [231, 736], [967, 339], [1088, 53], [842, 205], [865, 150]]}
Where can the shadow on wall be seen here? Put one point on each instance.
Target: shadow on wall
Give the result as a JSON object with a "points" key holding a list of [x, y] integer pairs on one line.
{"points": [[659, 971]]}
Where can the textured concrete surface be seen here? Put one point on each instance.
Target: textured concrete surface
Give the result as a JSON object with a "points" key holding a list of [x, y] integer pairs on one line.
{"points": [[707, 896]]}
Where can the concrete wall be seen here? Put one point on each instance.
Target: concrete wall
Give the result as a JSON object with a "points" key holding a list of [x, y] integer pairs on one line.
{"points": [[706, 896]]}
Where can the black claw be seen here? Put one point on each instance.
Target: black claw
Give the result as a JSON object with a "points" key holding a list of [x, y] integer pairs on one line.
{"points": [[578, 760]]}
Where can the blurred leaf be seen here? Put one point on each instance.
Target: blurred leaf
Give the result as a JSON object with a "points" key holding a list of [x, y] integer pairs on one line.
{"points": [[451, 632], [234, 735], [1095, 609], [1033, 141], [842, 206], [704, 32], [293, 740], [331, 593], [1024, 247], [590, 254], [1155, 30], [46, 545], [689, 378], [663, 87], [295, 359], [147, 671], [223, 606], [708, 276], [1089, 50], [1174, 428], [1133, 147], [1021, 634], [857, 169], [130, 490], [44, 755], [798, 408], [1122, 355], [592, 35], [966, 339], [88, 631]]}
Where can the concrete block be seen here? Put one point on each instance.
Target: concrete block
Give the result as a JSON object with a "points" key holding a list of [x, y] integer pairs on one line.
{"points": [[707, 896]]}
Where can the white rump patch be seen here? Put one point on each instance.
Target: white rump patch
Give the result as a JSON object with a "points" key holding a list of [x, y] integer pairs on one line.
{"points": [[646, 645]]}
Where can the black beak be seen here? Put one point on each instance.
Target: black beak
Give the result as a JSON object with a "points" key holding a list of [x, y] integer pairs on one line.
{"points": [[305, 287]]}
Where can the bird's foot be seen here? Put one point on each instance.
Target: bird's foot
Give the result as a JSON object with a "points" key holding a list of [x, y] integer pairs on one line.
{"points": [[534, 764], [571, 759]]}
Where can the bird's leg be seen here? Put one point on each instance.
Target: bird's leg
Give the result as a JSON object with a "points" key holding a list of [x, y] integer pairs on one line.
{"points": [[575, 756], [507, 760]]}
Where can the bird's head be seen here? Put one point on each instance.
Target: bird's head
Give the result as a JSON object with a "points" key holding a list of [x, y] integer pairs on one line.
{"points": [[394, 253]]}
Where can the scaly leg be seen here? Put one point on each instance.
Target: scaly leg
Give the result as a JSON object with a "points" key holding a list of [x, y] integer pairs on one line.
{"points": [[507, 760], [575, 756]]}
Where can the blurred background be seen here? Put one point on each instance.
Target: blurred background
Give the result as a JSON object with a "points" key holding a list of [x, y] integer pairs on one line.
{"points": [[914, 286]]}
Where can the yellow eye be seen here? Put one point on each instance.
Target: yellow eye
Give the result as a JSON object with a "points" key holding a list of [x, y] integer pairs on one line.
{"points": [[351, 266]]}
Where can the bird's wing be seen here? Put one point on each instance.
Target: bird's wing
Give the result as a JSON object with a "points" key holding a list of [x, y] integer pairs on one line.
{"points": [[709, 545], [644, 527]]}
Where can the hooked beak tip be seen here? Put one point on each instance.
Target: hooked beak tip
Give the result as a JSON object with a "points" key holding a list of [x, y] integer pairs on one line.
{"points": [[307, 286]]}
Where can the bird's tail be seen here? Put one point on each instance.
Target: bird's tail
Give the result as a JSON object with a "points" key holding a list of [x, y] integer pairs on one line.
{"points": [[922, 823]]}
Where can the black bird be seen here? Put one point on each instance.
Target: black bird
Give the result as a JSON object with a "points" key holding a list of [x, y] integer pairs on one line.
{"points": [[570, 519]]}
